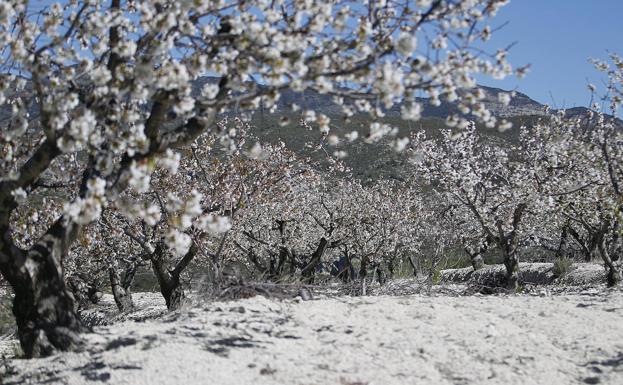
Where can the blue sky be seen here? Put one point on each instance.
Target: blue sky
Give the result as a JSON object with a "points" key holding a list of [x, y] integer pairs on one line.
{"points": [[556, 37]]}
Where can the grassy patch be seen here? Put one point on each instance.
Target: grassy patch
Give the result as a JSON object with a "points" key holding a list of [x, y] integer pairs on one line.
{"points": [[7, 322], [562, 266], [145, 281]]}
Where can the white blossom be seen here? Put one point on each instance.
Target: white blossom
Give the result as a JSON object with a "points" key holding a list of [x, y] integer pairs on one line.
{"points": [[139, 176], [6, 12], [351, 136], [20, 195], [209, 90], [323, 123], [400, 144], [504, 98], [257, 152], [214, 224], [178, 242], [505, 125], [170, 161], [406, 43], [411, 111]]}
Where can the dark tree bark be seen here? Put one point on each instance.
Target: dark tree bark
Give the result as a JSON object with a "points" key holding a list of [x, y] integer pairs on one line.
{"points": [[588, 246], [475, 254], [343, 268], [413, 265], [363, 273], [44, 307], [169, 284], [564, 241], [512, 271], [475, 257], [169, 280], [363, 269], [380, 275], [122, 295], [85, 291], [596, 242], [391, 262], [507, 242], [613, 277], [310, 269], [121, 285]]}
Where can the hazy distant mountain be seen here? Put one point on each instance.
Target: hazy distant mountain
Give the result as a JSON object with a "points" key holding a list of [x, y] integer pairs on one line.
{"points": [[520, 104]]}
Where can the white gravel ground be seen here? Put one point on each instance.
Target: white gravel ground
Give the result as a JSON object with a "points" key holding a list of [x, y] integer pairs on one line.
{"points": [[563, 339]]}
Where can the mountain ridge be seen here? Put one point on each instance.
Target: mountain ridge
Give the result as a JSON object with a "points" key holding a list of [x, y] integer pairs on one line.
{"points": [[520, 103]]}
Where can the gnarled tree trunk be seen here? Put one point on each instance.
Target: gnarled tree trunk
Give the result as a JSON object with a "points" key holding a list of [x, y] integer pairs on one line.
{"points": [[44, 307], [169, 283], [512, 270], [475, 254], [169, 279], [509, 243], [121, 286], [170, 287], [343, 267], [310, 269], [413, 265], [613, 277]]}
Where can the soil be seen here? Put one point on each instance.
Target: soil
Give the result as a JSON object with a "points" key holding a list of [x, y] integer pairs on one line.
{"points": [[439, 337]]}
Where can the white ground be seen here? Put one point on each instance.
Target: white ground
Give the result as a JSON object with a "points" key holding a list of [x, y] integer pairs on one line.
{"points": [[384, 340]]}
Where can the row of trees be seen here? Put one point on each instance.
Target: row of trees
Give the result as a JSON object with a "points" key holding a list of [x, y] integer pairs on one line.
{"points": [[275, 214], [556, 190], [282, 217]]}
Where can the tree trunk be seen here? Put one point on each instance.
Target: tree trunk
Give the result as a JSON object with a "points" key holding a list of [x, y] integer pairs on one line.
{"points": [[391, 268], [352, 274], [614, 275], [509, 244], [381, 276], [44, 307], [413, 265], [363, 274], [169, 279], [169, 283], [564, 240], [587, 245], [121, 293], [512, 270], [309, 270], [475, 254], [363, 269]]}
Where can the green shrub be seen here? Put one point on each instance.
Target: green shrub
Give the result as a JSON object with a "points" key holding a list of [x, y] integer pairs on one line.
{"points": [[436, 276], [562, 266]]}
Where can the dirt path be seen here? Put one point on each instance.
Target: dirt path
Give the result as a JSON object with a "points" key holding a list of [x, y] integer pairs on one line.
{"points": [[365, 340]]}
